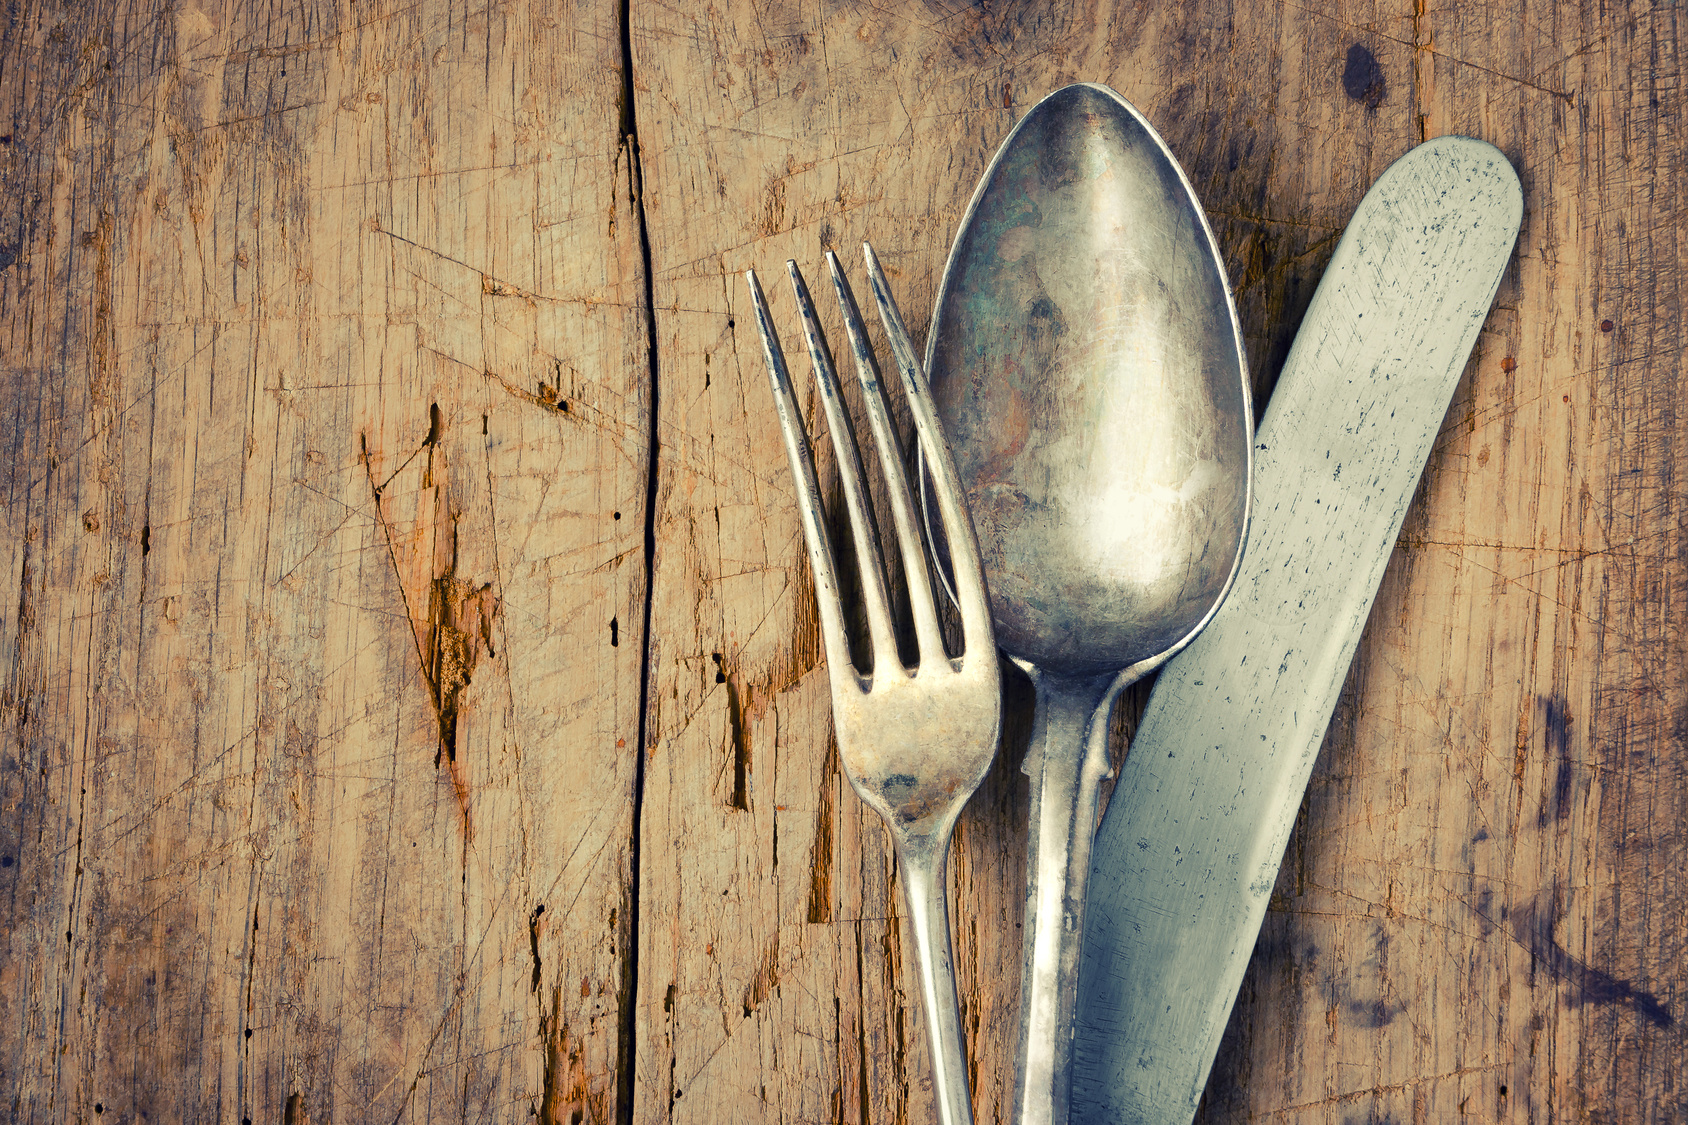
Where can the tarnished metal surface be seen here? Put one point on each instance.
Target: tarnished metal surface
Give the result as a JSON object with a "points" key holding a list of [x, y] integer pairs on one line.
{"points": [[914, 742], [1087, 364], [1088, 368], [1189, 852]]}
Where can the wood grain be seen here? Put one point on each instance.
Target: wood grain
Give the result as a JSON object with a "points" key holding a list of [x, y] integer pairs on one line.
{"points": [[326, 387], [315, 694]]}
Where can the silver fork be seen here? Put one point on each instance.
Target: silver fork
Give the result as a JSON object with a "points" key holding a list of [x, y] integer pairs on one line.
{"points": [[914, 742]]}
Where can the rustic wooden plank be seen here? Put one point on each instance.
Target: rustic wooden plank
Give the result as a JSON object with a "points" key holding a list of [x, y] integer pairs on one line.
{"points": [[326, 380], [1476, 899], [238, 269], [1475, 908]]}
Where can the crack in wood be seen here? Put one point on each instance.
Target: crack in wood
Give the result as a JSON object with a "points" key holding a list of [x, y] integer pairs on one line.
{"points": [[765, 980], [821, 853], [567, 1096], [459, 622]]}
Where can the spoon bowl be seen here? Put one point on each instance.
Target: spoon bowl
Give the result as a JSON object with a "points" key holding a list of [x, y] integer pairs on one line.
{"points": [[1087, 364]]}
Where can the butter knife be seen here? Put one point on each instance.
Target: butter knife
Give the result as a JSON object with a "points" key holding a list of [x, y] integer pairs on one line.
{"points": [[1189, 849]]}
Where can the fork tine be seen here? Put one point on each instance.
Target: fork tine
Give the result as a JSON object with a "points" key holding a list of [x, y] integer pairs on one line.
{"points": [[870, 564], [827, 596], [946, 482], [921, 605]]}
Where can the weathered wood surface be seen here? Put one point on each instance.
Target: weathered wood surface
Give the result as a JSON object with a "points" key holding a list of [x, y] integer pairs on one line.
{"points": [[312, 704], [332, 337]]}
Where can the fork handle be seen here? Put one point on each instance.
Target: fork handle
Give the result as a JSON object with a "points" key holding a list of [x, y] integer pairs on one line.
{"points": [[1067, 763], [924, 860]]}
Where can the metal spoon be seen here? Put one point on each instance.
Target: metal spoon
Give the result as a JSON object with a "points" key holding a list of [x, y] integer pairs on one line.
{"points": [[1087, 365]]}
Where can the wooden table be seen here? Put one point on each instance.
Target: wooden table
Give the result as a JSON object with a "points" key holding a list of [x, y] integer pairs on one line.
{"points": [[411, 704]]}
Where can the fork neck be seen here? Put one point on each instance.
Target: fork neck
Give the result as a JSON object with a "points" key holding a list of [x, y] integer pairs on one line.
{"points": [[925, 893]]}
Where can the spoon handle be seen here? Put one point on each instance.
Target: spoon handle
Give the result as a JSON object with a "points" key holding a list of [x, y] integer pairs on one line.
{"points": [[923, 859], [1067, 763]]}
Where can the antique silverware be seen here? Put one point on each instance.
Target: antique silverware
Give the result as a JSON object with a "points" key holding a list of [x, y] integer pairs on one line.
{"points": [[1189, 851], [1087, 365], [914, 742]]}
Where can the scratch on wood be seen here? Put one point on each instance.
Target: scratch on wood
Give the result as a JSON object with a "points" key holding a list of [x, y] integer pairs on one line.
{"points": [[536, 923], [458, 625], [554, 397], [862, 1088], [765, 979], [821, 854], [740, 745], [490, 285], [1424, 49], [1521, 745], [748, 701], [892, 962]]}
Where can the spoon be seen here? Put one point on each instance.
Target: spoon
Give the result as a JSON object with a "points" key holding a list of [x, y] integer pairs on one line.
{"points": [[1087, 364]]}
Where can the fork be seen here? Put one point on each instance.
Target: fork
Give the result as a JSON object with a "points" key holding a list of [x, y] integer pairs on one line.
{"points": [[914, 742]]}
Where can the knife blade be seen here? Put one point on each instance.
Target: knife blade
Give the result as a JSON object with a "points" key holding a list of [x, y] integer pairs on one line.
{"points": [[1189, 849]]}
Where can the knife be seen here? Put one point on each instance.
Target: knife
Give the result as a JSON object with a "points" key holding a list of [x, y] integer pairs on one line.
{"points": [[1189, 850]]}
